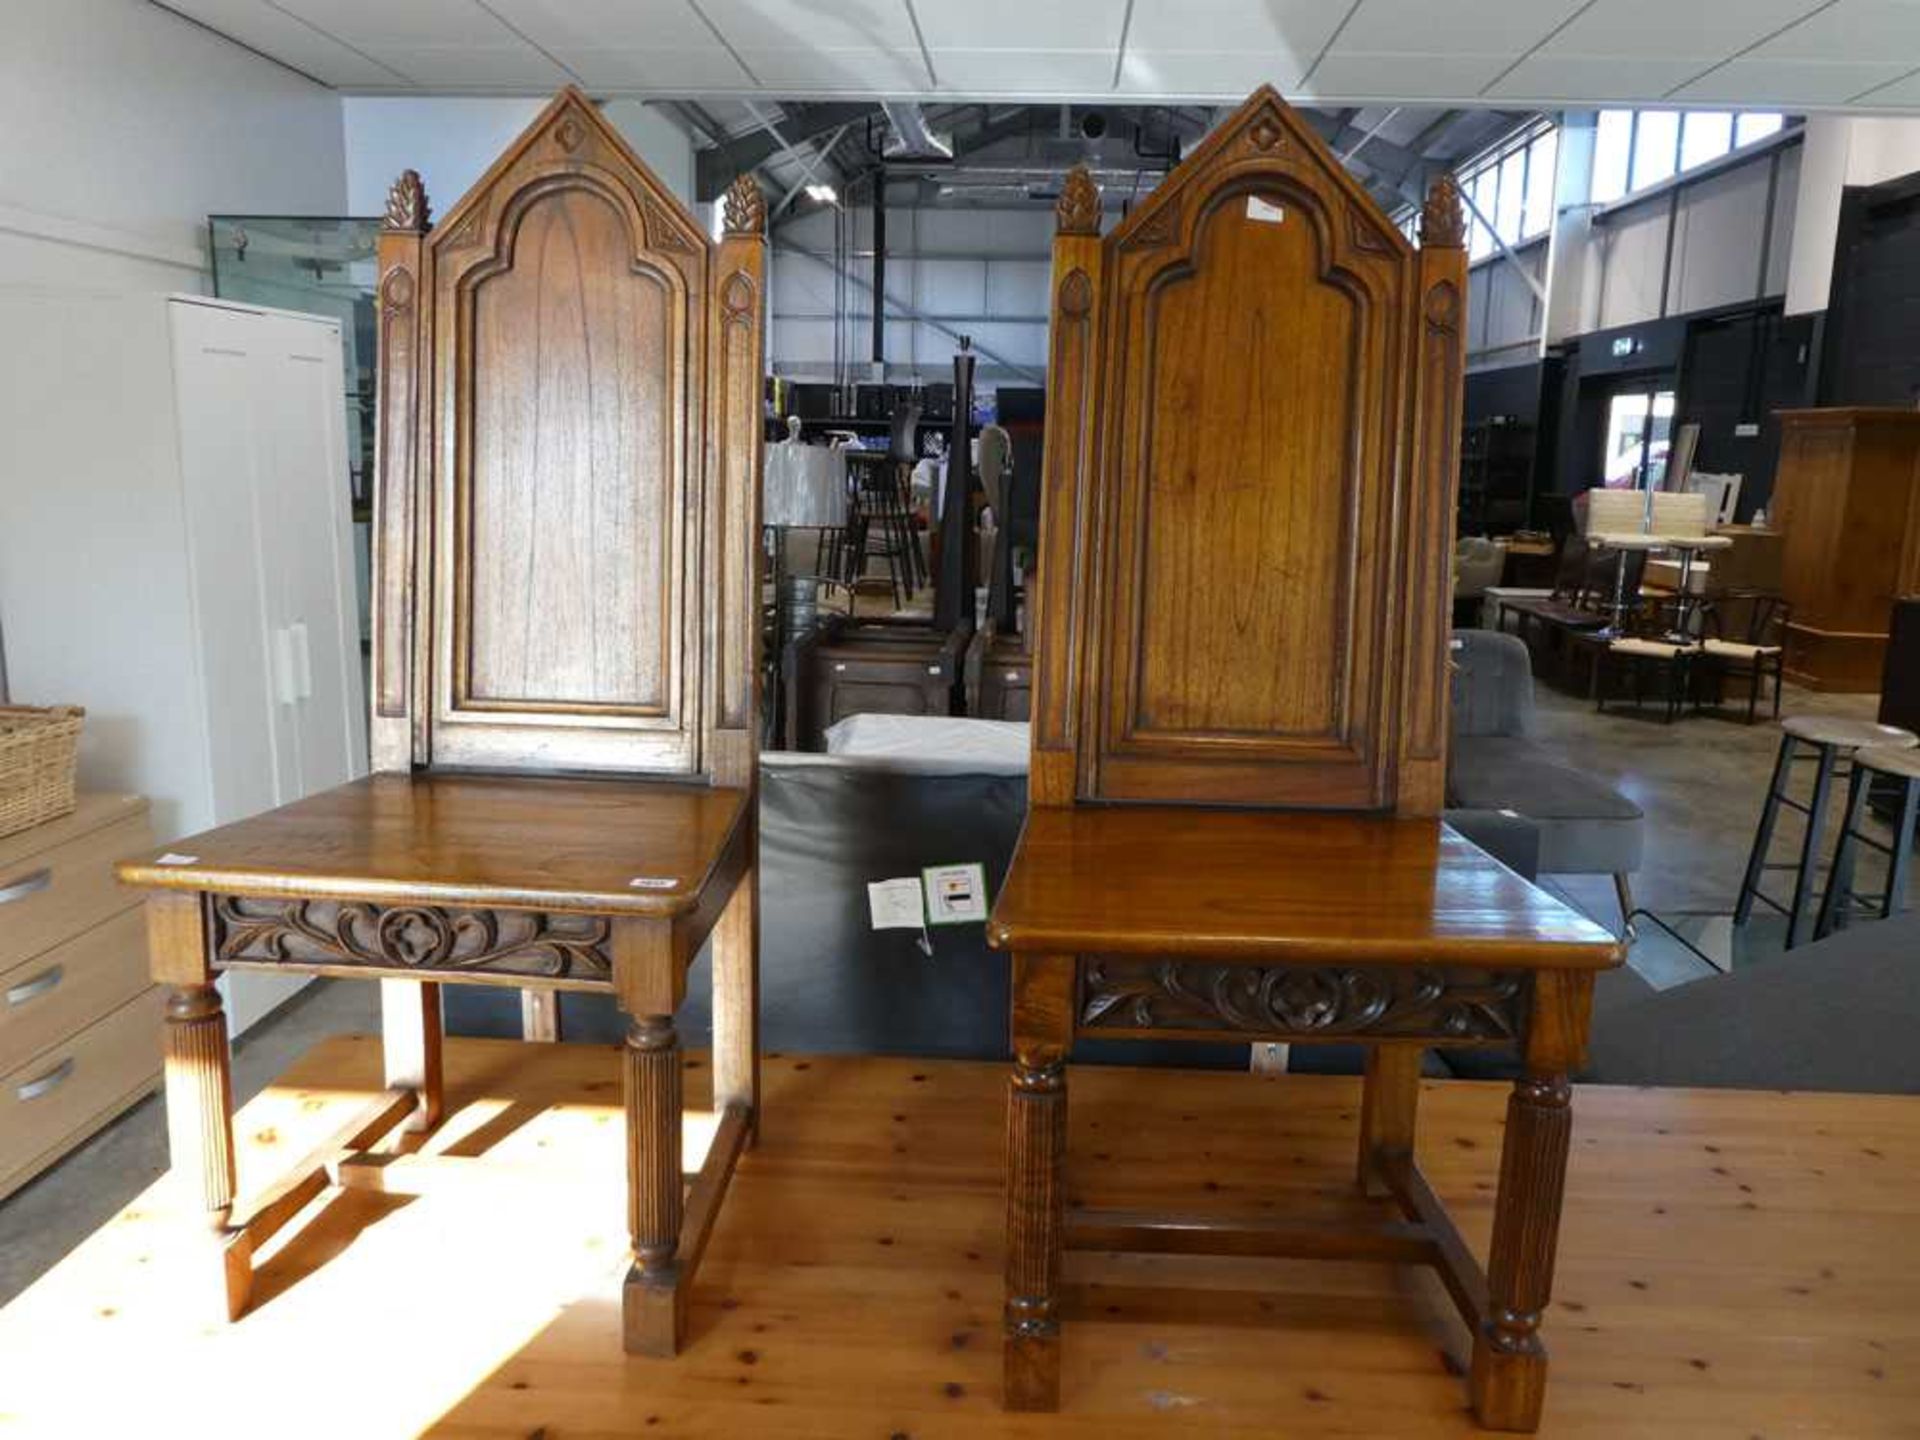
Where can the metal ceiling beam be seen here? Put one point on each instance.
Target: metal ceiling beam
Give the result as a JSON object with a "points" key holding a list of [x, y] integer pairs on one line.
{"points": [[714, 169]]}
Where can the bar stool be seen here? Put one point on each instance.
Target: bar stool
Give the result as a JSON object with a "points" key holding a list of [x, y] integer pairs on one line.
{"points": [[1900, 764], [1830, 737]]}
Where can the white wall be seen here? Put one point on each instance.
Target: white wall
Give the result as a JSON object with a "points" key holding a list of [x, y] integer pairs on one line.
{"points": [[452, 141], [125, 127], [1840, 150]]}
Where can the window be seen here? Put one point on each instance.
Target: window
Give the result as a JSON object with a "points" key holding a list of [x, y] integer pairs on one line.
{"points": [[1511, 187], [1656, 147], [1536, 211], [1634, 149], [1705, 135], [1612, 147]]}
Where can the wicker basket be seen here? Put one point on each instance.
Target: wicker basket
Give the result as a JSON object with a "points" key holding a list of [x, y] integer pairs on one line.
{"points": [[37, 753]]}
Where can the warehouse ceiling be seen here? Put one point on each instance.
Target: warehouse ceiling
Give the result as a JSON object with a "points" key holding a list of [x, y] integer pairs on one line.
{"points": [[1016, 155], [1515, 54]]}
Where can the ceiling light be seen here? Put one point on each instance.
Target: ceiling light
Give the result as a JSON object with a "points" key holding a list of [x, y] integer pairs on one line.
{"points": [[825, 194]]}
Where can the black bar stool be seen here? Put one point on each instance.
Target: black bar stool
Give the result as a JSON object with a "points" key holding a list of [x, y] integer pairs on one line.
{"points": [[1830, 738], [1901, 765]]}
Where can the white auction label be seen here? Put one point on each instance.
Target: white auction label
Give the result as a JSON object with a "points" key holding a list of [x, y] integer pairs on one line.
{"points": [[896, 904]]}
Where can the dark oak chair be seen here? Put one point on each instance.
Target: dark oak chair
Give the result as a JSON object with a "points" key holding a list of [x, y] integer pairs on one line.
{"points": [[1239, 726], [564, 691]]}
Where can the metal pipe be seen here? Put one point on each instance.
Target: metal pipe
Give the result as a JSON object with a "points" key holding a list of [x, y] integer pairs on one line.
{"points": [[880, 272], [1533, 281], [1385, 120]]}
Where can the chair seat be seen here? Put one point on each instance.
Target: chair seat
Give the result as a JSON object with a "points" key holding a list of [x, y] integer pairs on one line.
{"points": [[1734, 650], [1253, 886], [604, 846], [1657, 649], [1902, 761], [1846, 733]]}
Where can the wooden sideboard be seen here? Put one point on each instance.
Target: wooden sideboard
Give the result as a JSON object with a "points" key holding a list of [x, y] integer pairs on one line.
{"points": [[79, 1019], [1848, 498]]}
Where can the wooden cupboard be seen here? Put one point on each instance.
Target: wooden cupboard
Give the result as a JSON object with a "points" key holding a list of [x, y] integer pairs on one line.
{"points": [[1847, 496], [200, 601]]}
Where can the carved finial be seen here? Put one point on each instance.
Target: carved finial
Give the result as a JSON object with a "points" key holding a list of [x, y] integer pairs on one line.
{"points": [[1442, 222], [1077, 211], [407, 204], [746, 211]]}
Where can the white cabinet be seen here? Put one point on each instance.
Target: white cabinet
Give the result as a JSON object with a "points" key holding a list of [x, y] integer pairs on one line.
{"points": [[190, 581]]}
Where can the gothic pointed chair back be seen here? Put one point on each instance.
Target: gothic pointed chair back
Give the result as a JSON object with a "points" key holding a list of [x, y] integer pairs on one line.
{"points": [[567, 511], [1252, 424]]}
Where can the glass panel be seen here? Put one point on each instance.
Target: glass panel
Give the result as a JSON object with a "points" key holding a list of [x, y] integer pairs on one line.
{"points": [[1654, 147], [1756, 126], [1537, 214], [1626, 429], [322, 266], [1484, 185], [1708, 135], [1659, 441], [1513, 184], [1610, 147]]}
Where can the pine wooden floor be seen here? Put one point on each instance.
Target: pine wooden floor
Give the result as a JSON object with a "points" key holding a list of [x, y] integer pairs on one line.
{"points": [[1732, 1265]]}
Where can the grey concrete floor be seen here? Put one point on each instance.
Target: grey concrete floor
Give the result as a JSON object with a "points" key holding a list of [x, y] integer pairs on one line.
{"points": [[1700, 780]]}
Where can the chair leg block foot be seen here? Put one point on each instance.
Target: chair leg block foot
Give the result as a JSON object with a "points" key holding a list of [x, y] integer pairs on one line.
{"points": [[653, 1313], [1507, 1389], [1032, 1372]]}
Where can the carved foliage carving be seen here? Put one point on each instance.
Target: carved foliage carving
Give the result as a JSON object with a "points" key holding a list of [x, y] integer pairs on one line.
{"points": [[1365, 235], [1301, 1001], [1443, 308], [1442, 220], [1077, 211], [407, 208], [746, 207], [736, 299], [426, 938], [1157, 229], [664, 233], [1076, 294]]}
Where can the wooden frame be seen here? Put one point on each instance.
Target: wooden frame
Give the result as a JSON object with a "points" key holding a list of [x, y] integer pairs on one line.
{"points": [[566, 579]]}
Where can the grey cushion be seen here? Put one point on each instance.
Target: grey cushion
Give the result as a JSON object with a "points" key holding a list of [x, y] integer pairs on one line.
{"points": [[1492, 684], [1586, 826], [1837, 1015]]}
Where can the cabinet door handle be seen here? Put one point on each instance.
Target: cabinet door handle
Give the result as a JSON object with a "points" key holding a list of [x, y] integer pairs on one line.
{"points": [[42, 1084], [39, 985], [302, 660], [26, 885]]}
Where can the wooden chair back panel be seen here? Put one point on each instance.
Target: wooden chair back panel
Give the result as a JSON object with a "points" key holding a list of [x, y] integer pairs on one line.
{"points": [[1252, 407], [1250, 461], [569, 359], [570, 542]]}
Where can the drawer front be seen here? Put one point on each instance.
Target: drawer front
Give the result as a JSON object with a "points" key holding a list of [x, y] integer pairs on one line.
{"points": [[64, 1090], [48, 898], [61, 991]]}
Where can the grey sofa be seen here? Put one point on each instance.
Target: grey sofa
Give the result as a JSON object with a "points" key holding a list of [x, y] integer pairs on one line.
{"points": [[1837, 1015], [1586, 826]]}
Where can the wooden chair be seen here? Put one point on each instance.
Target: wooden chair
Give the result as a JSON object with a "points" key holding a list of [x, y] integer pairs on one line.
{"points": [[1755, 652], [564, 694], [1240, 724]]}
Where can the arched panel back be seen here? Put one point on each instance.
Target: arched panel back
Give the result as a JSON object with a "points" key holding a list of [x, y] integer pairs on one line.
{"points": [[572, 520], [1246, 492]]}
